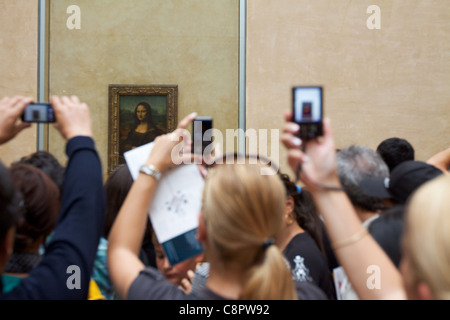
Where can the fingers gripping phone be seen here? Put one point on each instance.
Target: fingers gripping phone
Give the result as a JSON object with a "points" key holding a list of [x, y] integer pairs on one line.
{"points": [[38, 112], [201, 134], [308, 111]]}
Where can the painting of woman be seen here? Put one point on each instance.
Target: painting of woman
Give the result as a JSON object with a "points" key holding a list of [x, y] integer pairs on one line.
{"points": [[143, 130]]}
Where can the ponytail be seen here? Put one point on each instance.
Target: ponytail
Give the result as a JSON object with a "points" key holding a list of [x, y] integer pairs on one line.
{"points": [[240, 209], [271, 279]]}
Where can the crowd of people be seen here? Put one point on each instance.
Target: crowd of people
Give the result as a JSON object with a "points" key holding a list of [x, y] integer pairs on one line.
{"points": [[355, 223]]}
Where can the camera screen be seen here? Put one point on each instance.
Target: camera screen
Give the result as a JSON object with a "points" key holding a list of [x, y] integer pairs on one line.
{"points": [[202, 134], [39, 113], [307, 104]]}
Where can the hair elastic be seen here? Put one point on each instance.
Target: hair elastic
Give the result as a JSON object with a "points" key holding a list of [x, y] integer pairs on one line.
{"points": [[267, 243]]}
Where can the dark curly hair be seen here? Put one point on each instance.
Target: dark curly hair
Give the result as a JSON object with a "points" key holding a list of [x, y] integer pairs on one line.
{"points": [[41, 202], [395, 151], [10, 200], [305, 210], [48, 163]]}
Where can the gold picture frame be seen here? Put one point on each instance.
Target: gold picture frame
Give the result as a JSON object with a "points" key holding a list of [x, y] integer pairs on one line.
{"points": [[130, 122]]}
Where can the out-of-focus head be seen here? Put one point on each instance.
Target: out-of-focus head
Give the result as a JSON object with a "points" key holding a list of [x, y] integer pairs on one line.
{"points": [[395, 151], [426, 241], [355, 163], [402, 182], [10, 201], [116, 189], [241, 208], [47, 162], [242, 213], [41, 202], [173, 273]]}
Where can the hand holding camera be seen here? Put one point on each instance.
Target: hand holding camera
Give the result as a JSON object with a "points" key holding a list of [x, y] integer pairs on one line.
{"points": [[168, 149], [10, 111], [72, 117], [312, 159]]}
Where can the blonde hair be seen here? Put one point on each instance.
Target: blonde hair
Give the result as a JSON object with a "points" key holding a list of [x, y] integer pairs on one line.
{"points": [[242, 209], [427, 237]]}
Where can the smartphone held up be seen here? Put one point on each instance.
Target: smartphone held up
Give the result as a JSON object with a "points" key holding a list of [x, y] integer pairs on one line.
{"points": [[308, 111], [202, 135], [39, 113]]}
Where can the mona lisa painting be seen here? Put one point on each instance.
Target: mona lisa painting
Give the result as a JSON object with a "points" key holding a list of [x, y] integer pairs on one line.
{"points": [[137, 115]]}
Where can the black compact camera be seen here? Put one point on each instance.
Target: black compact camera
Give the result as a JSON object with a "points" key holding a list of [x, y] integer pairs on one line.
{"points": [[39, 112], [201, 134], [308, 111]]}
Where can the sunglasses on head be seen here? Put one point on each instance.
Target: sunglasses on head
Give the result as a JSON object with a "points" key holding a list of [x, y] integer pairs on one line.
{"points": [[237, 158]]}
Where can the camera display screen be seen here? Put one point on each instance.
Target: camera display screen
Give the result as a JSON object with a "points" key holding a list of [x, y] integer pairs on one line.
{"points": [[202, 135], [307, 104], [39, 112]]}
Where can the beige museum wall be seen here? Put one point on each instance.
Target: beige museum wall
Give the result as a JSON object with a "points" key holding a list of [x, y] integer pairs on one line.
{"points": [[18, 66], [193, 44], [378, 83]]}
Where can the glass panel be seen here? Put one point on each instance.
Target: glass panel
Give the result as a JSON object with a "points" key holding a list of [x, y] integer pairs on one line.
{"points": [[191, 44]]}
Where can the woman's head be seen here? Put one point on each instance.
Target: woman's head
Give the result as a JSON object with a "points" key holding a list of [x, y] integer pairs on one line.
{"points": [[173, 273], [40, 205], [426, 258], [304, 210], [9, 203], [143, 113], [10, 200], [117, 187], [48, 163], [242, 209]]}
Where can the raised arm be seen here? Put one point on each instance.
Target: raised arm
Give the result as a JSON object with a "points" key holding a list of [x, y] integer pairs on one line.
{"points": [[66, 267], [125, 237], [441, 160], [362, 258]]}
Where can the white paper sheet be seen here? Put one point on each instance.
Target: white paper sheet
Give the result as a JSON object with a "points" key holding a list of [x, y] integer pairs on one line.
{"points": [[176, 202]]}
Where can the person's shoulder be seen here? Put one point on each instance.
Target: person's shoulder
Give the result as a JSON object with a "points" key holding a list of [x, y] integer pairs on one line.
{"points": [[309, 291], [150, 284], [300, 238], [302, 242], [392, 218], [387, 231], [205, 294]]}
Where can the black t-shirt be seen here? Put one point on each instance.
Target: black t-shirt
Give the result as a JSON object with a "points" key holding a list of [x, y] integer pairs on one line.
{"points": [[329, 252], [387, 230], [309, 264]]}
